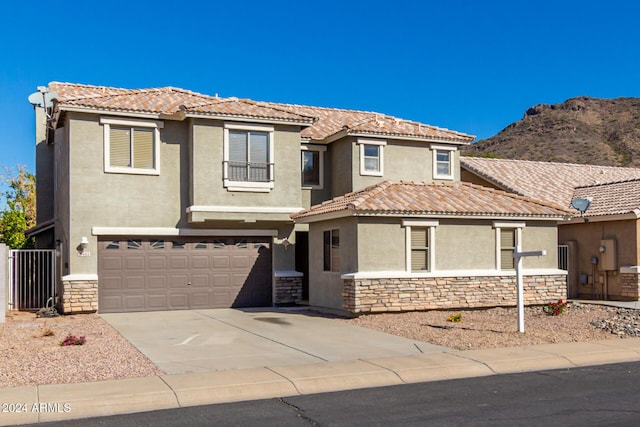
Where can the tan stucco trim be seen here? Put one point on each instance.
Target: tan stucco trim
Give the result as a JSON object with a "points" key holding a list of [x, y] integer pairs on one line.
{"points": [[449, 273], [399, 137], [288, 273], [630, 269], [244, 209], [78, 277], [113, 113], [243, 119], [167, 231], [346, 213]]}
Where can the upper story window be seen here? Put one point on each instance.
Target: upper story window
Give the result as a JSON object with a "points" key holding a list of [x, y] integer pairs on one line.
{"points": [[443, 161], [371, 157], [248, 157], [131, 146], [313, 166], [508, 238]]}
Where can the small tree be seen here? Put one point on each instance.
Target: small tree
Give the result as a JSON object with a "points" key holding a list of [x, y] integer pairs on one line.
{"points": [[19, 214]]}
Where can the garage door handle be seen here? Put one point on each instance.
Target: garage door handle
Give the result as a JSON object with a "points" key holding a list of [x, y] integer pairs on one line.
{"points": [[189, 284]]}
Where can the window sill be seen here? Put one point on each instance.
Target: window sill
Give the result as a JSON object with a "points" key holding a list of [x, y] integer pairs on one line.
{"points": [[312, 187], [255, 187], [371, 173], [444, 177], [133, 171]]}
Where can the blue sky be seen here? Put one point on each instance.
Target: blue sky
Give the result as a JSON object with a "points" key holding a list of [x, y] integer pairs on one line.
{"points": [[471, 66]]}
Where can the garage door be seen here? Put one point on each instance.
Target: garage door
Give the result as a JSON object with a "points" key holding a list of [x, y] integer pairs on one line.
{"points": [[173, 274]]}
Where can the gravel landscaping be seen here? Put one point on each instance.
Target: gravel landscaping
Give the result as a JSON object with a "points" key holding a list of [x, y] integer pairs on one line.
{"points": [[30, 350], [498, 327]]}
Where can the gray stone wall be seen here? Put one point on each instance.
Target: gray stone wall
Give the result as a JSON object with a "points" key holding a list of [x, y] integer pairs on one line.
{"points": [[411, 294]]}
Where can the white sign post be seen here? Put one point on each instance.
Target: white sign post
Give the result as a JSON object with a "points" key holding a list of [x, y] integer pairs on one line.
{"points": [[519, 281]]}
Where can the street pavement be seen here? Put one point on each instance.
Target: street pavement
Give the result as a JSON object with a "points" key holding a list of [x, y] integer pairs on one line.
{"points": [[293, 355]]}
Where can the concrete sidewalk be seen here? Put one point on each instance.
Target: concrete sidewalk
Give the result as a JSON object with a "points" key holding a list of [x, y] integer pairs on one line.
{"points": [[68, 401]]}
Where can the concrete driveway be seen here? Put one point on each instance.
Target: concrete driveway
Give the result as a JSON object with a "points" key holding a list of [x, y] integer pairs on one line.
{"points": [[221, 339]]}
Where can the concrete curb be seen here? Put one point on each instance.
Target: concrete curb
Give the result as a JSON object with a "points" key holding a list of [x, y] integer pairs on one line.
{"points": [[31, 404]]}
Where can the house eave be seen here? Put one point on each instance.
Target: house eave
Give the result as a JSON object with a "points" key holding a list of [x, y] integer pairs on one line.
{"points": [[302, 123], [143, 115], [349, 213], [346, 132], [603, 218]]}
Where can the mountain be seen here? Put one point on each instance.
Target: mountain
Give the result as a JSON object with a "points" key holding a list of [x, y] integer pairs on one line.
{"points": [[580, 130]]}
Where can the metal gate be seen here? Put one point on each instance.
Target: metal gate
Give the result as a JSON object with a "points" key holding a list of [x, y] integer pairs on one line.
{"points": [[32, 278], [563, 257]]}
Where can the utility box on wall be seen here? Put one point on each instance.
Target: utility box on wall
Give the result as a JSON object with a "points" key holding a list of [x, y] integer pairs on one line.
{"points": [[608, 259]]}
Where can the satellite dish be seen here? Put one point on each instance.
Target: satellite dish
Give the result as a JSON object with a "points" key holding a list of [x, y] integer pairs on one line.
{"points": [[581, 204], [42, 99]]}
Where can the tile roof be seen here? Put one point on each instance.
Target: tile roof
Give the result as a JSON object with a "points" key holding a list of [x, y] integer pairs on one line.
{"points": [[331, 121], [548, 181], [166, 100], [426, 198], [325, 122], [613, 198]]}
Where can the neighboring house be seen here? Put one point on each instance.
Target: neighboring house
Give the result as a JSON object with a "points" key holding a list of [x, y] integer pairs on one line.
{"points": [[160, 199], [603, 242]]}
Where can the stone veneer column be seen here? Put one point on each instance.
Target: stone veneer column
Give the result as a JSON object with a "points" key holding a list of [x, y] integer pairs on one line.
{"points": [[287, 287], [411, 294], [79, 294], [630, 283]]}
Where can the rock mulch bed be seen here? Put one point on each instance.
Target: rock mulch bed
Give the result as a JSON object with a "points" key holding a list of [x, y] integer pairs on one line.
{"points": [[497, 327], [30, 351]]}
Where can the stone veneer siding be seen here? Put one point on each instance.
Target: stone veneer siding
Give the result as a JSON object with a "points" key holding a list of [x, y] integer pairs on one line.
{"points": [[411, 294], [630, 283], [288, 290], [79, 296]]}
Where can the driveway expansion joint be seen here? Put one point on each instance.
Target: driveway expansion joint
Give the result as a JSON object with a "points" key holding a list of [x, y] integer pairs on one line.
{"points": [[385, 368], [288, 379], [172, 391]]}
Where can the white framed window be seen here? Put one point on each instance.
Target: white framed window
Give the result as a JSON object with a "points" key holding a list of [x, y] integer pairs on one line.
{"points": [[331, 250], [131, 146], [371, 157], [508, 239], [442, 161], [248, 157], [420, 240], [313, 166]]}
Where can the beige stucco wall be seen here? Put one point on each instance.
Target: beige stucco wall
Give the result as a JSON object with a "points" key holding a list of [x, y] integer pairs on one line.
{"points": [[61, 188], [540, 235], [459, 244], [341, 153], [44, 171], [402, 160], [89, 197], [465, 245], [587, 237], [206, 171], [325, 287], [381, 244]]}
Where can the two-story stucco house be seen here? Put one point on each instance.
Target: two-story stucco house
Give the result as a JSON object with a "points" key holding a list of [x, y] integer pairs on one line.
{"points": [[161, 199]]}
